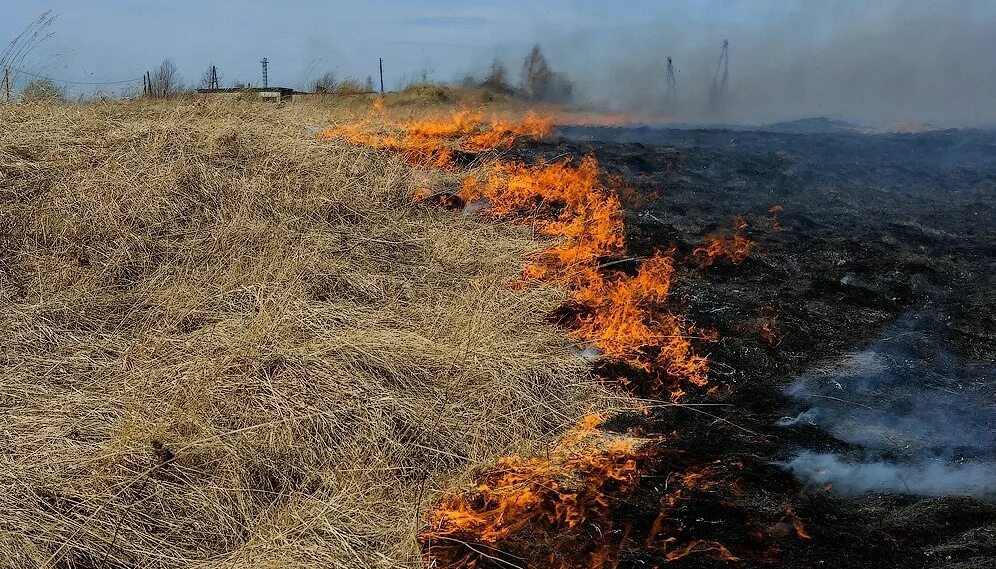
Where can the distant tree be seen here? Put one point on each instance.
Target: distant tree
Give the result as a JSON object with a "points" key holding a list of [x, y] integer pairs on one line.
{"points": [[349, 86], [42, 89], [164, 81], [497, 78], [326, 83], [539, 82], [239, 85]]}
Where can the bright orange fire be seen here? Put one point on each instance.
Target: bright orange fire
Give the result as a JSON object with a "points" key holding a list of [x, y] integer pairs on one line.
{"points": [[623, 314], [554, 505], [733, 246], [627, 321], [565, 201], [435, 143], [546, 511], [522, 501]]}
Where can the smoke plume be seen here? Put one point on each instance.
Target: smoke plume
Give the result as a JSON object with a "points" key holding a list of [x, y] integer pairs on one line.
{"points": [[878, 63], [921, 419]]}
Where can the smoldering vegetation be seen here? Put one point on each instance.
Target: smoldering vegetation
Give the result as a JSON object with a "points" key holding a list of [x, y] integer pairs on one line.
{"points": [[920, 419], [881, 64]]}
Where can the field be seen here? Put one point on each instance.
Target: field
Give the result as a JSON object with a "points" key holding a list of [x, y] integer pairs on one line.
{"points": [[230, 343], [444, 329]]}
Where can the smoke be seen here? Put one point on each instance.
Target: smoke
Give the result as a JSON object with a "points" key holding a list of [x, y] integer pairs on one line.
{"points": [[921, 419], [877, 63], [925, 478]]}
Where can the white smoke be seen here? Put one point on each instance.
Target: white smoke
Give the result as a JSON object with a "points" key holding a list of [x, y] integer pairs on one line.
{"points": [[934, 477], [922, 421]]}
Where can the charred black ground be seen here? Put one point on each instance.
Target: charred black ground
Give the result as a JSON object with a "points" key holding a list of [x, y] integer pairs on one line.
{"points": [[871, 226]]}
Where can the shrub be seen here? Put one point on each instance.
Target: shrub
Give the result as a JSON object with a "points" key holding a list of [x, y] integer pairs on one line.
{"points": [[41, 90]]}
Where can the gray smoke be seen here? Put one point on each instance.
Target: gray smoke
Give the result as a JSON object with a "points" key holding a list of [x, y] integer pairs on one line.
{"points": [[878, 63], [921, 419], [928, 478]]}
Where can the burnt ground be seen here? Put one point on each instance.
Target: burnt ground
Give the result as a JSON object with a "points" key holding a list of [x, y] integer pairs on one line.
{"points": [[871, 227]]}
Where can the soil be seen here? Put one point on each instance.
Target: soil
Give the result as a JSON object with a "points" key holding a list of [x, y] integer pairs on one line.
{"points": [[870, 226]]}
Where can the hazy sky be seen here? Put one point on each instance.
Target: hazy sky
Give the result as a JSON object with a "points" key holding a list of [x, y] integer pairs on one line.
{"points": [[108, 40], [872, 60]]}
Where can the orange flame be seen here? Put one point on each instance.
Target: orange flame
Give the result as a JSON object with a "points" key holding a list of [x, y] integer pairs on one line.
{"points": [[733, 246], [623, 314], [435, 143], [521, 501], [558, 499]]}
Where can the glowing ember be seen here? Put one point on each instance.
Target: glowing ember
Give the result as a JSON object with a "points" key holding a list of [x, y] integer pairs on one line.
{"points": [[775, 223]]}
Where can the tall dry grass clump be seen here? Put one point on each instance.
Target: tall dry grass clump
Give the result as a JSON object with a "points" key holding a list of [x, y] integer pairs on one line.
{"points": [[224, 343]]}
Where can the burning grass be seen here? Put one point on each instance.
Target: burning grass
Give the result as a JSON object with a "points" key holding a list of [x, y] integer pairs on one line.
{"points": [[229, 344], [435, 143], [730, 245], [556, 500], [625, 316], [559, 510]]}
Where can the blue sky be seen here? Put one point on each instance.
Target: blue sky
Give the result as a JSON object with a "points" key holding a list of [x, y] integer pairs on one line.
{"points": [[866, 60], [101, 40]]}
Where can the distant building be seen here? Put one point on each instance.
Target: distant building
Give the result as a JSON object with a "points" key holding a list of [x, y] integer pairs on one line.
{"points": [[275, 94]]}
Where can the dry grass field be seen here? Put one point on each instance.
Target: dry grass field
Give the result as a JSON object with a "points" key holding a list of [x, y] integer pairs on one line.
{"points": [[225, 342]]}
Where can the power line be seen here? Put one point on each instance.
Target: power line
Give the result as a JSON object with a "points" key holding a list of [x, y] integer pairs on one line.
{"points": [[76, 82]]}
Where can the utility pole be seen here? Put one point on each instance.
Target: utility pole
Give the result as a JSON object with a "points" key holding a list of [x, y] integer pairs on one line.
{"points": [[381, 62], [213, 81], [6, 83], [671, 95], [717, 93], [266, 82]]}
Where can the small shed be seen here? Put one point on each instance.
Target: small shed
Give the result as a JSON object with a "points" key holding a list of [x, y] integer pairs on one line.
{"points": [[275, 94]]}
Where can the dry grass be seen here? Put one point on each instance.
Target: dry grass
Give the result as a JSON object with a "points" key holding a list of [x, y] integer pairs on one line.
{"points": [[225, 343]]}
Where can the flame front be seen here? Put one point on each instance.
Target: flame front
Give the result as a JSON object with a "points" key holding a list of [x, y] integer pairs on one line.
{"points": [[524, 501], [435, 143], [560, 509], [624, 315]]}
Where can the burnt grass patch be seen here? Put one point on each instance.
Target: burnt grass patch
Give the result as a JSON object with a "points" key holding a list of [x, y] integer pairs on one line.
{"points": [[869, 227]]}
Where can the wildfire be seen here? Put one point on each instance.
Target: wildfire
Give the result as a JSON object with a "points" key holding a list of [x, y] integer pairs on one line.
{"points": [[627, 321], [562, 510], [559, 509], [565, 201], [560, 499], [623, 314], [435, 143], [731, 245]]}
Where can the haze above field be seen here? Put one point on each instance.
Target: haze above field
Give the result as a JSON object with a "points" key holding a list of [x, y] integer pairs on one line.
{"points": [[878, 63]]}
